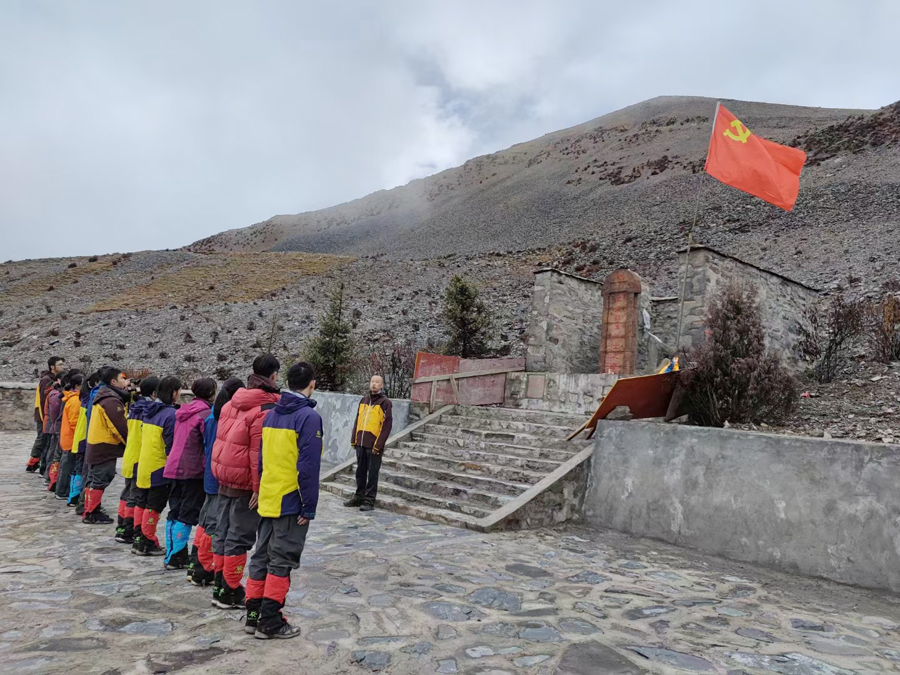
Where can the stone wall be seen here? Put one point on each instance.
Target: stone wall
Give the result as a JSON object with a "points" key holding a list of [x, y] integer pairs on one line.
{"points": [[17, 406], [578, 394], [564, 324], [783, 302], [810, 506], [338, 413]]}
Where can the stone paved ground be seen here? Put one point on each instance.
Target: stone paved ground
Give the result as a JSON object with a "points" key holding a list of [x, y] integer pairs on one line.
{"points": [[388, 592]]}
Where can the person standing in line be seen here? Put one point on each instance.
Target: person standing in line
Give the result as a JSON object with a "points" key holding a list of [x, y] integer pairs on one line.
{"points": [[55, 365], [371, 430], [290, 459], [68, 423], [184, 470], [128, 527], [50, 458], [106, 437], [79, 440], [157, 436], [235, 464], [207, 555]]}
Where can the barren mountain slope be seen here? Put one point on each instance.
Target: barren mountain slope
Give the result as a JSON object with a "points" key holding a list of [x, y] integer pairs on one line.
{"points": [[638, 163]]}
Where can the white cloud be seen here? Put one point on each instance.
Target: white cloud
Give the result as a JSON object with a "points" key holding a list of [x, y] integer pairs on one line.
{"points": [[129, 126]]}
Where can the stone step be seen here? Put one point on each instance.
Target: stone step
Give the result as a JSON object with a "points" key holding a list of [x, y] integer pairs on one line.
{"points": [[489, 424], [523, 415], [398, 505], [447, 489], [491, 436], [484, 483], [386, 488], [454, 440], [452, 456]]}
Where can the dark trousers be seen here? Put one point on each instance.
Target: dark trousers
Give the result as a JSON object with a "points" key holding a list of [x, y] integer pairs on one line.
{"points": [[99, 476], [208, 514], [38, 447], [368, 466], [279, 543], [186, 500], [129, 492], [236, 525], [66, 466], [46, 452], [154, 498]]}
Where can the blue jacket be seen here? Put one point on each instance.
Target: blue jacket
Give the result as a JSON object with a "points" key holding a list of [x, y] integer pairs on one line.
{"points": [[289, 458], [210, 426]]}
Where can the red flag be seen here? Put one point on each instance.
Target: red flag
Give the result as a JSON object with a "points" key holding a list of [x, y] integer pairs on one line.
{"points": [[743, 160]]}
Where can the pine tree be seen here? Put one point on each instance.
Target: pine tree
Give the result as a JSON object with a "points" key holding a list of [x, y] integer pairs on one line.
{"points": [[466, 320], [331, 351]]}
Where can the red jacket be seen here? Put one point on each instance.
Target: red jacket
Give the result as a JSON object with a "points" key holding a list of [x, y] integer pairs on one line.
{"points": [[235, 455]]}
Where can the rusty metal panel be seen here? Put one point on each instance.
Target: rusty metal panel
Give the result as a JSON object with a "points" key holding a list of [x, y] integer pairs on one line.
{"points": [[434, 364], [646, 396]]}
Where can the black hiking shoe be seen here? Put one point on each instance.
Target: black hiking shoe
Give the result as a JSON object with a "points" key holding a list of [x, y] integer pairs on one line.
{"points": [[122, 537], [353, 501], [252, 619], [200, 577], [150, 548], [218, 585], [285, 632], [230, 598], [97, 517], [178, 561], [367, 507]]}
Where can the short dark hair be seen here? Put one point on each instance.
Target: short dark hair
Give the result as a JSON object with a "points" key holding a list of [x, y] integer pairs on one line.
{"points": [[204, 388], [149, 385], [229, 387], [165, 392], [266, 365], [61, 376], [108, 373], [89, 383], [53, 360], [300, 375]]}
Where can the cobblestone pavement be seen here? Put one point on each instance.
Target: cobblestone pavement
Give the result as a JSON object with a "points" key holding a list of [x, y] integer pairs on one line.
{"points": [[379, 592]]}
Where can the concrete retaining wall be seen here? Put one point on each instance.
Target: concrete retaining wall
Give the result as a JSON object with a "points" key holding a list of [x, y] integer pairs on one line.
{"points": [[808, 506], [338, 413], [17, 406], [578, 394]]}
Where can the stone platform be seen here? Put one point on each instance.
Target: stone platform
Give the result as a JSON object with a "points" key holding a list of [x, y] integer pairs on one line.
{"points": [[388, 592]]}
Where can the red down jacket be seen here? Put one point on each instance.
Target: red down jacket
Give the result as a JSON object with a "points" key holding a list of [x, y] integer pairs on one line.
{"points": [[235, 455]]}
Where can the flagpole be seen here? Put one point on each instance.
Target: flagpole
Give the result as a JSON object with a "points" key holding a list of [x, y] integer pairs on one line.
{"points": [[687, 256]]}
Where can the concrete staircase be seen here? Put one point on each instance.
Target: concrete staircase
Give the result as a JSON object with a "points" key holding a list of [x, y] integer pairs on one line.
{"points": [[478, 467]]}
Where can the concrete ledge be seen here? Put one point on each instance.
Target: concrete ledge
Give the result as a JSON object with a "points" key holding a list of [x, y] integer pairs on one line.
{"points": [[824, 508]]}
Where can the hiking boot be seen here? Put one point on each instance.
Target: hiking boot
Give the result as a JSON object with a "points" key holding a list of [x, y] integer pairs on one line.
{"points": [[122, 537], [285, 632], [97, 517], [218, 585], [200, 577], [178, 561], [353, 501], [61, 498], [31, 469], [252, 619], [150, 548], [231, 598], [136, 544], [367, 507]]}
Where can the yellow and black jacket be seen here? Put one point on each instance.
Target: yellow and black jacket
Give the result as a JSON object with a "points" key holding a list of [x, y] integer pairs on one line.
{"points": [[108, 429], [290, 457], [373, 422], [133, 446]]}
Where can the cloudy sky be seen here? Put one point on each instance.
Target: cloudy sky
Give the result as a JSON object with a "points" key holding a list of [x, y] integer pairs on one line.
{"points": [[134, 125]]}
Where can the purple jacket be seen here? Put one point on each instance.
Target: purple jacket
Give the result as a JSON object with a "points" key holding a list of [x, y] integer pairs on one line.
{"points": [[186, 460], [54, 408]]}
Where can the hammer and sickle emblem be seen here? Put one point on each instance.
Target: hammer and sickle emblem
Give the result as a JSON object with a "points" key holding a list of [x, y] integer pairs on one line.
{"points": [[743, 133]]}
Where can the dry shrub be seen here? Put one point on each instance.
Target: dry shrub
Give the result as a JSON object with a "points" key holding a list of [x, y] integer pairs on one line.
{"points": [[394, 361], [732, 377], [827, 334], [882, 321]]}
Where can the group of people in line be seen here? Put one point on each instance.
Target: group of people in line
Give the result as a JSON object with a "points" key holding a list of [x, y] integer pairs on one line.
{"points": [[239, 465]]}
